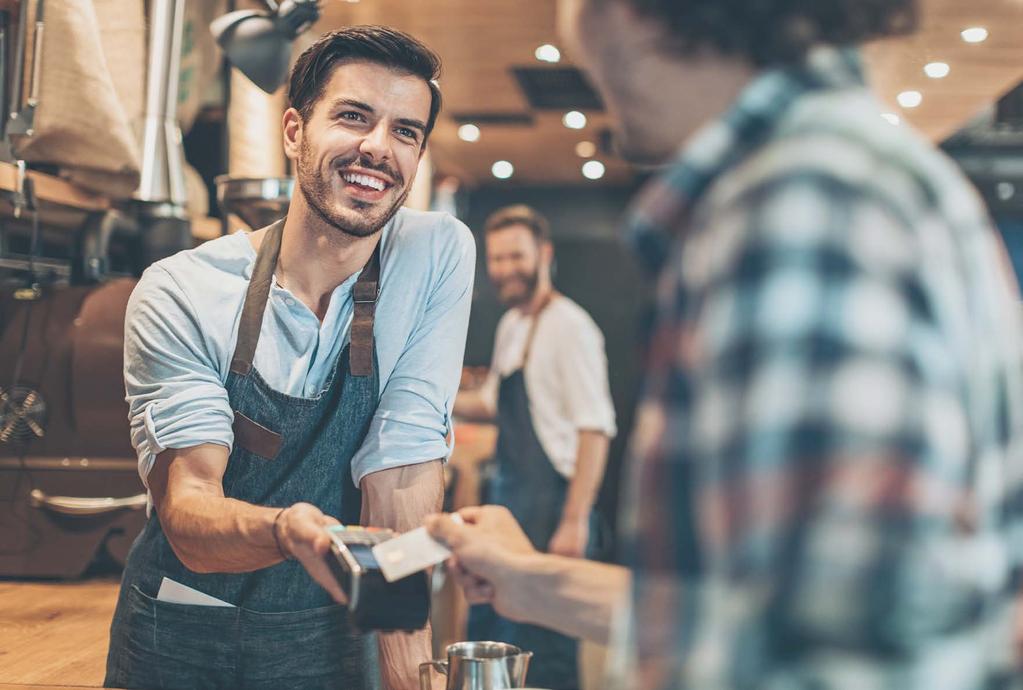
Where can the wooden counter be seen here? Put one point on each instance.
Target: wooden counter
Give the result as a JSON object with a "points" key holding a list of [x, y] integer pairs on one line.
{"points": [[55, 634]]}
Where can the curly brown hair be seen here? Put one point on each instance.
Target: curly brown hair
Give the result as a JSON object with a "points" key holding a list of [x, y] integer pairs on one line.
{"points": [[772, 32]]}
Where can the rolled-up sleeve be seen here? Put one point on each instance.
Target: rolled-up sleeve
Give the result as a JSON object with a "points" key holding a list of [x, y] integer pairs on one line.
{"points": [[176, 398], [413, 419]]}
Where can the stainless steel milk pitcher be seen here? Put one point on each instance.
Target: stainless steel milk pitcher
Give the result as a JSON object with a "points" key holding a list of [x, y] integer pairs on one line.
{"points": [[479, 666]]}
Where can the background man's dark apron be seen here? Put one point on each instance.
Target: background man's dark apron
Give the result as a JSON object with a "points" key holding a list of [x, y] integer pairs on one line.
{"points": [[284, 631]]}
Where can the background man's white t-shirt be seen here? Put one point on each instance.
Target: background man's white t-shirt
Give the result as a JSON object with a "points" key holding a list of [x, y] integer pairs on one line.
{"points": [[566, 376]]}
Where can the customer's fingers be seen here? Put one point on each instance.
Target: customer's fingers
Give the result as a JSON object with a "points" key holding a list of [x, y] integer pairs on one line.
{"points": [[476, 589], [479, 594], [472, 514], [447, 530]]}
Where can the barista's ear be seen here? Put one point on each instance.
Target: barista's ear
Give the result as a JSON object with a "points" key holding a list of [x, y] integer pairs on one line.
{"points": [[294, 130]]}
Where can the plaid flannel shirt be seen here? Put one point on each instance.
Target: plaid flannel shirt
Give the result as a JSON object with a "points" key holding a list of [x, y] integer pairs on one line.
{"points": [[825, 468]]}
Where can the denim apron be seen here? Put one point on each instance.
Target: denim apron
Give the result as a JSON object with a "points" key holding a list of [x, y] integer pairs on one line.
{"points": [[284, 630], [529, 486]]}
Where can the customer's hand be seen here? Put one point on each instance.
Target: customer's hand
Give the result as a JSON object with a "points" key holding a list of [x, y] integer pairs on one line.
{"points": [[570, 538], [491, 554], [301, 535]]}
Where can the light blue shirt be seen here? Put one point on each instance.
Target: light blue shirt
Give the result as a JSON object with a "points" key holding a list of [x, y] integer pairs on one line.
{"points": [[182, 325]]}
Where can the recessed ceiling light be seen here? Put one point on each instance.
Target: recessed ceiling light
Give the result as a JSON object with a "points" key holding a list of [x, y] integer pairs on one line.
{"points": [[574, 120], [469, 133], [910, 99], [1005, 191], [593, 170], [892, 118], [975, 34], [937, 70], [502, 170], [586, 149], [548, 53]]}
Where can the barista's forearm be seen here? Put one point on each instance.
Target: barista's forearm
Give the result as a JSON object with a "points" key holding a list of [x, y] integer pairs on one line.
{"points": [[213, 534], [400, 498], [571, 595]]}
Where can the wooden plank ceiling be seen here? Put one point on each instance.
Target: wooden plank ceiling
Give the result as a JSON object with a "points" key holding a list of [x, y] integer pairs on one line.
{"points": [[480, 42]]}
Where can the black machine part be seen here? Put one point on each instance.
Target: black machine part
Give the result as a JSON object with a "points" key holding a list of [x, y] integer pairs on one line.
{"points": [[373, 602]]}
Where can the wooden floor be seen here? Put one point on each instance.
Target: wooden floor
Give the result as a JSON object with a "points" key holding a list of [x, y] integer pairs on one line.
{"points": [[54, 634]]}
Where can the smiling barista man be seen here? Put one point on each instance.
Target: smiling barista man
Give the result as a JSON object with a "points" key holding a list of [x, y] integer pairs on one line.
{"points": [[288, 379]]}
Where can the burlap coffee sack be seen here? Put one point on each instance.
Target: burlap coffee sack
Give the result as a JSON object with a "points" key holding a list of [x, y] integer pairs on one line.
{"points": [[92, 89]]}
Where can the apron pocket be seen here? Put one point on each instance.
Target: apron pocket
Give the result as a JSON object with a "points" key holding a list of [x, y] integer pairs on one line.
{"points": [[177, 645], [256, 438], [316, 648]]}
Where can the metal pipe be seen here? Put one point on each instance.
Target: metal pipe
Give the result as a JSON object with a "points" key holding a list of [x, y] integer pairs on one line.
{"points": [[37, 58], [17, 75], [162, 175]]}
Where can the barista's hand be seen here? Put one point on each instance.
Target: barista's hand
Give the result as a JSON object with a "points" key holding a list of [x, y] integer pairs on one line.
{"points": [[489, 549], [301, 534], [570, 538]]}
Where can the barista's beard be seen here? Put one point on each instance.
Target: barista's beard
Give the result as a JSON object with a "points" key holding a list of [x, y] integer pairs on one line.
{"points": [[357, 221]]}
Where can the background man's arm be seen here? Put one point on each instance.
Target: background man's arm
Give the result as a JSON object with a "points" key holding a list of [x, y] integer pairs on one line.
{"points": [[400, 498], [573, 533], [472, 406]]}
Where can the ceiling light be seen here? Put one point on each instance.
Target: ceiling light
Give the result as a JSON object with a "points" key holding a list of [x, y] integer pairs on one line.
{"points": [[593, 170], [1005, 191], [586, 149], [937, 70], [975, 34], [502, 170], [470, 133], [548, 53], [910, 99], [892, 118], [574, 120]]}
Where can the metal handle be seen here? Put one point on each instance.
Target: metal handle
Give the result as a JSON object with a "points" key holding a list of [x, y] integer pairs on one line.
{"points": [[70, 505], [425, 681]]}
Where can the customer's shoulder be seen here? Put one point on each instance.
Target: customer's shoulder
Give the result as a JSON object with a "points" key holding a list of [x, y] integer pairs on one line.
{"points": [[837, 145]]}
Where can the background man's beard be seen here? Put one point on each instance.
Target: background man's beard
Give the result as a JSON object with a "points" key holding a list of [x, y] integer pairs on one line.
{"points": [[318, 194], [524, 297]]}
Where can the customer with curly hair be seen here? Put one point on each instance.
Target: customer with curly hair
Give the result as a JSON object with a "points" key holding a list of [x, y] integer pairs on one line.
{"points": [[824, 474]]}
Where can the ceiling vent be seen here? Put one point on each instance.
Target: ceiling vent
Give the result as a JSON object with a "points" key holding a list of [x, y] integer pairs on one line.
{"points": [[494, 119], [560, 88]]}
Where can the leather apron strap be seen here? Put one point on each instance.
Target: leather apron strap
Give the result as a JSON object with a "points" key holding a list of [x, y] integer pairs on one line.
{"points": [[532, 328], [365, 292], [255, 299]]}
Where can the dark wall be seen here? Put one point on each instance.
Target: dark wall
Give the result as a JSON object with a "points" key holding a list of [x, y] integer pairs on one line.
{"points": [[594, 269]]}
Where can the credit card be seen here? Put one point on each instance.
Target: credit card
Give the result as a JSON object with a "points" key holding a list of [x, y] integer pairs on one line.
{"points": [[410, 553]]}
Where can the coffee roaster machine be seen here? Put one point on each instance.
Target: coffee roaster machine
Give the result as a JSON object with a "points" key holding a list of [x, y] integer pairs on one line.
{"points": [[70, 494]]}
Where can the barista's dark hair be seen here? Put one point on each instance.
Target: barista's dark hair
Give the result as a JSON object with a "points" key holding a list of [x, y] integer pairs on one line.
{"points": [[520, 214], [775, 32], [379, 44]]}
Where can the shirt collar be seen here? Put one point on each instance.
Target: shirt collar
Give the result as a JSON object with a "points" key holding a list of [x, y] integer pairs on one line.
{"points": [[661, 208]]}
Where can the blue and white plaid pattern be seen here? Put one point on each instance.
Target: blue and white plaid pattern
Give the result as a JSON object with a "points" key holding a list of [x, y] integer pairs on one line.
{"points": [[826, 464]]}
